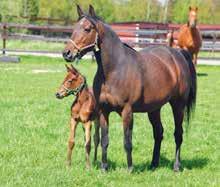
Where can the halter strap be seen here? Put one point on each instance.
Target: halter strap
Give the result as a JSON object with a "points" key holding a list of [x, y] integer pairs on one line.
{"points": [[94, 44], [76, 90]]}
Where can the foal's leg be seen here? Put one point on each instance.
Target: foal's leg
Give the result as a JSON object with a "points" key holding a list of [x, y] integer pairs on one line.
{"points": [[155, 120], [127, 117], [71, 141], [104, 139], [96, 138], [178, 112], [87, 127]]}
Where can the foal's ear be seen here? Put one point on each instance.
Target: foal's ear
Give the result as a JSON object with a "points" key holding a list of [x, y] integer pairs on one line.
{"points": [[196, 9], [74, 70], [79, 11], [190, 8], [92, 11], [67, 68]]}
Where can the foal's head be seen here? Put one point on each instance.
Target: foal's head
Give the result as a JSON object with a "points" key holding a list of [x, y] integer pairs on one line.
{"points": [[192, 20], [73, 83], [84, 37]]}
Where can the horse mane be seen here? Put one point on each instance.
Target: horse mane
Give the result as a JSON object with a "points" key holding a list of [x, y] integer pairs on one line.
{"points": [[91, 19], [128, 46]]}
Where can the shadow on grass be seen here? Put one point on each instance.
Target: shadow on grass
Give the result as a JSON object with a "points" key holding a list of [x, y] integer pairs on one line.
{"points": [[111, 165], [195, 163], [164, 163], [202, 74]]}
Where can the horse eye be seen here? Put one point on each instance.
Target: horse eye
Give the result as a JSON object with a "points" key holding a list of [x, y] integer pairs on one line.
{"points": [[70, 81]]}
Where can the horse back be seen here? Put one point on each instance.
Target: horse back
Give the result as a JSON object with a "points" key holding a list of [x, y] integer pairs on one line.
{"points": [[167, 74]]}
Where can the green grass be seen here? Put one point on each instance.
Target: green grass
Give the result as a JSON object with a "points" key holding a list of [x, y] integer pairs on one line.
{"points": [[209, 54], [34, 45], [34, 132]]}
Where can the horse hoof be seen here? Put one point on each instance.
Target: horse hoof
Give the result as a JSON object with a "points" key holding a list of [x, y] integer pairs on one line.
{"points": [[130, 169], [104, 167], [88, 167], [153, 166], [68, 164], [176, 168]]}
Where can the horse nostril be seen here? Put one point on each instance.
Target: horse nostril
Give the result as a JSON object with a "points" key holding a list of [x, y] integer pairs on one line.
{"points": [[67, 55], [64, 53], [57, 95]]}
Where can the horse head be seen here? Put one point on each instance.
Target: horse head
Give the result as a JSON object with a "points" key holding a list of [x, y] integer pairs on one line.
{"points": [[73, 83], [192, 19], [84, 37]]}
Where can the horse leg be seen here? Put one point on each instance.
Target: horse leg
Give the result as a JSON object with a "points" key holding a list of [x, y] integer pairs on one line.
{"points": [[87, 127], [96, 138], [71, 141], [104, 139], [155, 120], [178, 112], [127, 117], [195, 59]]}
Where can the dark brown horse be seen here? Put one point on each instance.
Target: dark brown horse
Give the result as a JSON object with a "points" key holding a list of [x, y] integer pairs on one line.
{"points": [[188, 37], [128, 81], [83, 110]]}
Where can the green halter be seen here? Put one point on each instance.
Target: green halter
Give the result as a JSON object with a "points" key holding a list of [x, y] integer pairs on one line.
{"points": [[76, 90]]}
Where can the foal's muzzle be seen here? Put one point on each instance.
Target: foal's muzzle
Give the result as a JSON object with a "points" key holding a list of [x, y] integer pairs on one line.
{"points": [[58, 95], [69, 56]]}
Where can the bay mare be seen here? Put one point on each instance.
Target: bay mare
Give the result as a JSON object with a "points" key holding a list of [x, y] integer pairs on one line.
{"points": [[128, 81]]}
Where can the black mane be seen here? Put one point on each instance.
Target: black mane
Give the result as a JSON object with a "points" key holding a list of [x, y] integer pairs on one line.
{"points": [[126, 45]]}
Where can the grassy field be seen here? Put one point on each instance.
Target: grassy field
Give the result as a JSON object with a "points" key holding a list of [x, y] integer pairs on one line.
{"points": [[34, 132]]}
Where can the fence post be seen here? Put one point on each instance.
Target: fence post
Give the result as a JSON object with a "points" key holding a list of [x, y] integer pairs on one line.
{"points": [[4, 36]]}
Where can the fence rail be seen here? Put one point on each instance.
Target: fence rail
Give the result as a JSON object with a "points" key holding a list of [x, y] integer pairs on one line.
{"points": [[136, 34]]}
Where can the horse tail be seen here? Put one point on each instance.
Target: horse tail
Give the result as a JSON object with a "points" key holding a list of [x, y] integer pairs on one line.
{"points": [[191, 100], [170, 39]]}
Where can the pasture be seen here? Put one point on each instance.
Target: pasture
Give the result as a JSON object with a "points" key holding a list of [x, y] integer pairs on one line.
{"points": [[34, 132]]}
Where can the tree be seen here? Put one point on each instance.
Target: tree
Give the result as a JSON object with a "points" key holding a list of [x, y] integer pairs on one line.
{"points": [[30, 8]]}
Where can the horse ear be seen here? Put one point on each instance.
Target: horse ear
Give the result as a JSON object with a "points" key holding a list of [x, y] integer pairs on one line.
{"points": [[92, 11], [196, 9], [67, 68], [190, 8], [74, 70], [79, 11]]}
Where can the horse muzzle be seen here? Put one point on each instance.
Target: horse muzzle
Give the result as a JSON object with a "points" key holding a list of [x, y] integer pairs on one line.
{"points": [[192, 24], [69, 56], [59, 96]]}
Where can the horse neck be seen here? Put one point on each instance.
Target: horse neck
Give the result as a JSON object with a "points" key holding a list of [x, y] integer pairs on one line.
{"points": [[83, 95], [193, 30], [111, 48]]}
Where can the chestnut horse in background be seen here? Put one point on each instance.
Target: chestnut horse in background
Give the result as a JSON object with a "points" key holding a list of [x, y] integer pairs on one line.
{"points": [[188, 37], [128, 81]]}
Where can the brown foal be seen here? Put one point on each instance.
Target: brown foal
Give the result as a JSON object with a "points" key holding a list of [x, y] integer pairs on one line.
{"points": [[82, 110]]}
